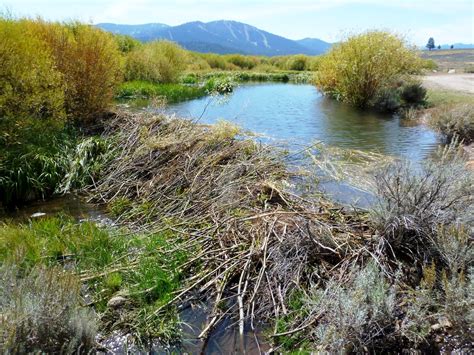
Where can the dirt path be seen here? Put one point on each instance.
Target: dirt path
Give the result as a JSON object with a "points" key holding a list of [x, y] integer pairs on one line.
{"points": [[456, 82]]}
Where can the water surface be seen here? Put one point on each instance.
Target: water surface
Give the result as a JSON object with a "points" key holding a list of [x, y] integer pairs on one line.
{"points": [[299, 115]]}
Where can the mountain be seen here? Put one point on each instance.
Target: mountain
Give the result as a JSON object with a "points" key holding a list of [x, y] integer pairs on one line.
{"points": [[138, 31], [316, 45], [221, 37]]}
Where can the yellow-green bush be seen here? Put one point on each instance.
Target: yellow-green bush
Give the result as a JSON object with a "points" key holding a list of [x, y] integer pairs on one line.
{"points": [[30, 87], [355, 70], [159, 61], [89, 61]]}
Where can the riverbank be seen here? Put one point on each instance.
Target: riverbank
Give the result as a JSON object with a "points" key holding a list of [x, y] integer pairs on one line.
{"points": [[221, 212]]}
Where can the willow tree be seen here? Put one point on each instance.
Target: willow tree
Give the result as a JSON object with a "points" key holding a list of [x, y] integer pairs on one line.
{"points": [[355, 70]]}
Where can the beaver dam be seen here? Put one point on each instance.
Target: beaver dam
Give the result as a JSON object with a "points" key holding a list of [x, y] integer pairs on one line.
{"points": [[203, 216]]}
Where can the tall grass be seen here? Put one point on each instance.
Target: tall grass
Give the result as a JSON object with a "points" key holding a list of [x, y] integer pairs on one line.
{"points": [[357, 69]]}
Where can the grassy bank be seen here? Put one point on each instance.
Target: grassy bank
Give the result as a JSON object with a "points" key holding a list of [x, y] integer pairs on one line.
{"points": [[171, 92], [126, 277]]}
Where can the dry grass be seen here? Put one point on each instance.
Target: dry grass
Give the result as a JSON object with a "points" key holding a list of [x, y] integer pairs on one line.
{"points": [[454, 121]]}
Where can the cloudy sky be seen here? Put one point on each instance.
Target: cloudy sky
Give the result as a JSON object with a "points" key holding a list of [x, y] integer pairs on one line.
{"points": [[447, 21]]}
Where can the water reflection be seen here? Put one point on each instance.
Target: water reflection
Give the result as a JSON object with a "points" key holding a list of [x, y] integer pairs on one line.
{"points": [[300, 115]]}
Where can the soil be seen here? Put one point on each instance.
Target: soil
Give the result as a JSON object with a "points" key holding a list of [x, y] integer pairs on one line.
{"points": [[455, 82]]}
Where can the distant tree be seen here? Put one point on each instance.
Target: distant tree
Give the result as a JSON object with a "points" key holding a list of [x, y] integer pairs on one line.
{"points": [[439, 47], [431, 43], [452, 46]]}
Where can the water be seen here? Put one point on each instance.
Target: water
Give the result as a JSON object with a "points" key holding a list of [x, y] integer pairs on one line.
{"points": [[298, 115]]}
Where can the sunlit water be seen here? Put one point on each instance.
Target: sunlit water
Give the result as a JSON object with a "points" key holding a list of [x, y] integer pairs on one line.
{"points": [[297, 116]]}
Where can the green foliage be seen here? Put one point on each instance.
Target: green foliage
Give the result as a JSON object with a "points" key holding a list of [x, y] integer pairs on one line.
{"points": [[413, 93], [223, 85], [454, 121], [144, 269], [171, 92], [125, 43], [34, 166], [298, 62], [157, 62], [431, 43], [355, 70], [41, 312]]}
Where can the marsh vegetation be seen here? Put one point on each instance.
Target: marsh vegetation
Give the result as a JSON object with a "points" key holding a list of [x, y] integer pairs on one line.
{"points": [[203, 213]]}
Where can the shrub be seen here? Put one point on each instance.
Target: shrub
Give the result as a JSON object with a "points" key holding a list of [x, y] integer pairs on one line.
{"points": [[355, 70], [297, 62], [454, 121], [220, 85], [353, 315], [414, 201], [42, 313], [413, 93], [159, 62], [241, 61], [30, 87], [89, 61], [125, 43]]}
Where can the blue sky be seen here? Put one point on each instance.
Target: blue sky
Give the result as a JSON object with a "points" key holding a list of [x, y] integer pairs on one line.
{"points": [[447, 21]]}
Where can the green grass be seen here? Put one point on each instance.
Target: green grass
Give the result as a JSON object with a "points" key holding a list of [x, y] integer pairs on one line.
{"points": [[144, 269], [438, 97], [171, 92]]}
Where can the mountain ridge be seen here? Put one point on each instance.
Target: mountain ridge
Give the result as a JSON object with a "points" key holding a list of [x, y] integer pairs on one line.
{"points": [[221, 36]]}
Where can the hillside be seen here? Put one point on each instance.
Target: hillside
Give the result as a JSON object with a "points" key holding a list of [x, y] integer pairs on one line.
{"points": [[221, 37]]}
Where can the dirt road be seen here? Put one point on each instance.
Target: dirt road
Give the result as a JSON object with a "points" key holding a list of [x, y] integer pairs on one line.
{"points": [[456, 82]]}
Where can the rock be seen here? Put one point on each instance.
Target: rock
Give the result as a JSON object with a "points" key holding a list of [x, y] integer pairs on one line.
{"points": [[38, 214], [451, 71], [116, 302], [444, 322]]}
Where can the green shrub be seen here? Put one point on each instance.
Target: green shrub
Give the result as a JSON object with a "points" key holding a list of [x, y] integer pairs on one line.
{"points": [[355, 70], [454, 121], [42, 313], [125, 43], [220, 85], [413, 94], [158, 62], [297, 62]]}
